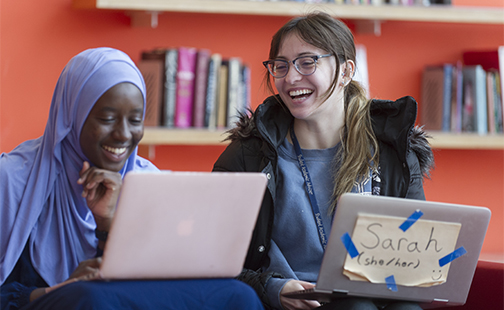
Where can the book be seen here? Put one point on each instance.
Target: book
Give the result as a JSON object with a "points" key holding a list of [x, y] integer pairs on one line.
{"points": [[500, 79], [152, 72], [234, 100], [468, 107], [499, 102], [447, 86], [432, 96], [222, 95], [489, 59], [245, 89], [495, 113], [170, 87], [200, 87], [456, 98], [490, 101], [212, 92], [158, 55], [474, 118], [185, 87]]}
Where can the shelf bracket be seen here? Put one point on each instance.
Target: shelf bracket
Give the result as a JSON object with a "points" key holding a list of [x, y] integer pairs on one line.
{"points": [[144, 18], [368, 27]]}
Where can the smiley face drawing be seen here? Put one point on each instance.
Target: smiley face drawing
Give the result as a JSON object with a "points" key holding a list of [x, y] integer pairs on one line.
{"points": [[437, 274]]}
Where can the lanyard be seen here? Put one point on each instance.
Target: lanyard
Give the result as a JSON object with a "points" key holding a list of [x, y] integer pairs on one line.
{"points": [[309, 189]]}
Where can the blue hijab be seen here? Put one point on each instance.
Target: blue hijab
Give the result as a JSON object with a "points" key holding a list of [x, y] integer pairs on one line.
{"points": [[41, 200]]}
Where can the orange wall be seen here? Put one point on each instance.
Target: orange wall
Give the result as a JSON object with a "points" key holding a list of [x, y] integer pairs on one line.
{"points": [[39, 37], [494, 3]]}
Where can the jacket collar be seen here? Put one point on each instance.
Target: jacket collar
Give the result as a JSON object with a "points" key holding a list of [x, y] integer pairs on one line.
{"points": [[272, 119], [394, 120]]}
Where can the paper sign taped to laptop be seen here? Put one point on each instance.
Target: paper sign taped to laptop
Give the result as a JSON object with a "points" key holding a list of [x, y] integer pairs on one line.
{"points": [[407, 250]]}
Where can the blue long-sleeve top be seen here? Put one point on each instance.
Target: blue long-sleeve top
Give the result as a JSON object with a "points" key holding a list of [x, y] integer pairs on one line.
{"points": [[296, 251], [15, 291]]}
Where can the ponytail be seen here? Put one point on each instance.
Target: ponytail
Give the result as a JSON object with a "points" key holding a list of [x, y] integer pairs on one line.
{"points": [[359, 146]]}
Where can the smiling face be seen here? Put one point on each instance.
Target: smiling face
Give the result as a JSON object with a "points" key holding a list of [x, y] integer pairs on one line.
{"points": [[304, 95], [114, 127]]}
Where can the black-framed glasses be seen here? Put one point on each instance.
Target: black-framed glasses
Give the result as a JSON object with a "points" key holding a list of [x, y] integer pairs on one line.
{"points": [[305, 65]]}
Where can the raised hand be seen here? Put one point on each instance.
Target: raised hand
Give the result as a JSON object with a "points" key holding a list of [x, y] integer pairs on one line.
{"points": [[101, 189]]}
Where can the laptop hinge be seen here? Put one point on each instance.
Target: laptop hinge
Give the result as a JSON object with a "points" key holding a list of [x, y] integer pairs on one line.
{"points": [[339, 292], [440, 301]]}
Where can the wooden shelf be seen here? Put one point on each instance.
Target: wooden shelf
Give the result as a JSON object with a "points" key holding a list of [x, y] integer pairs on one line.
{"points": [[446, 140], [439, 140], [165, 136], [440, 13]]}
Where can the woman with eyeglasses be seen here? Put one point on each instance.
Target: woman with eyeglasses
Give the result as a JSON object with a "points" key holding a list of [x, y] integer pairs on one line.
{"points": [[317, 138]]}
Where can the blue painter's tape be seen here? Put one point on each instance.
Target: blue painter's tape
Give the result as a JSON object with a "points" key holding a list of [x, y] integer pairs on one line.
{"points": [[452, 256], [411, 220], [391, 285], [349, 245]]}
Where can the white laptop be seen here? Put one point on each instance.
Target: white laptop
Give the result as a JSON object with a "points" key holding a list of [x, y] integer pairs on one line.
{"points": [[177, 225], [401, 249]]}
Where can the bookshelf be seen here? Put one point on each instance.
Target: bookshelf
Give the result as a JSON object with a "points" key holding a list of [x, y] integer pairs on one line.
{"points": [[191, 136], [358, 13], [447, 140], [196, 136], [450, 14]]}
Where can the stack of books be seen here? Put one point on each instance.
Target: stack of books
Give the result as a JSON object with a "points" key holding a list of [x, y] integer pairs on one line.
{"points": [[193, 88], [465, 96]]}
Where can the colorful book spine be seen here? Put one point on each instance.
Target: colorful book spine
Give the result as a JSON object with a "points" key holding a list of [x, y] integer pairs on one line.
{"points": [[246, 97], [200, 87], [500, 80], [447, 84], [222, 95], [158, 55], [432, 96], [469, 107], [170, 94], [490, 101], [480, 102], [234, 99], [212, 91], [152, 72], [457, 94], [495, 107], [185, 87]]}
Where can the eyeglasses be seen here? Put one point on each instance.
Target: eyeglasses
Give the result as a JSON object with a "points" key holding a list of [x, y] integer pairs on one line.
{"points": [[305, 65]]}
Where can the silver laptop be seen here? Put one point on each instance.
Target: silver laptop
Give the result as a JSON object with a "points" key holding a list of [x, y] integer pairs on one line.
{"points": [[175, 225], [401, 249]]}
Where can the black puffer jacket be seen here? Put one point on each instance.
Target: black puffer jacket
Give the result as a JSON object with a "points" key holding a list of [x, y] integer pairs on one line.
{"points": [[405, 159]]}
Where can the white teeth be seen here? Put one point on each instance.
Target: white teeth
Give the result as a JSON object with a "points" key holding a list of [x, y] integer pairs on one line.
{"points": [[116, 151], [300, 92]]}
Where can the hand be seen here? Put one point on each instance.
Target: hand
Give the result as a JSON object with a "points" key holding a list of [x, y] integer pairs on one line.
{"points": [[291, 303], [86, 270], [101, 189]]}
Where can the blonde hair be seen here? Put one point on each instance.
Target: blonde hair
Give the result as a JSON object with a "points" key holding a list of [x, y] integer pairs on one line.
{"points": [[359, 151]]}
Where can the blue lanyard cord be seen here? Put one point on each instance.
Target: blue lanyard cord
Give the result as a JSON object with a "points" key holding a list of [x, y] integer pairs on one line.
{"points": [[309, 189]]}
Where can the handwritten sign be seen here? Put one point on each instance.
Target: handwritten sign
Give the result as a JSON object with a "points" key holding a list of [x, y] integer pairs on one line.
{"points": [[410, 255]]}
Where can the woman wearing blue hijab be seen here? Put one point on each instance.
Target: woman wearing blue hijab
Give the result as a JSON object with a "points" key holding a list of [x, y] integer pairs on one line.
{"points": [[58, 194]]}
